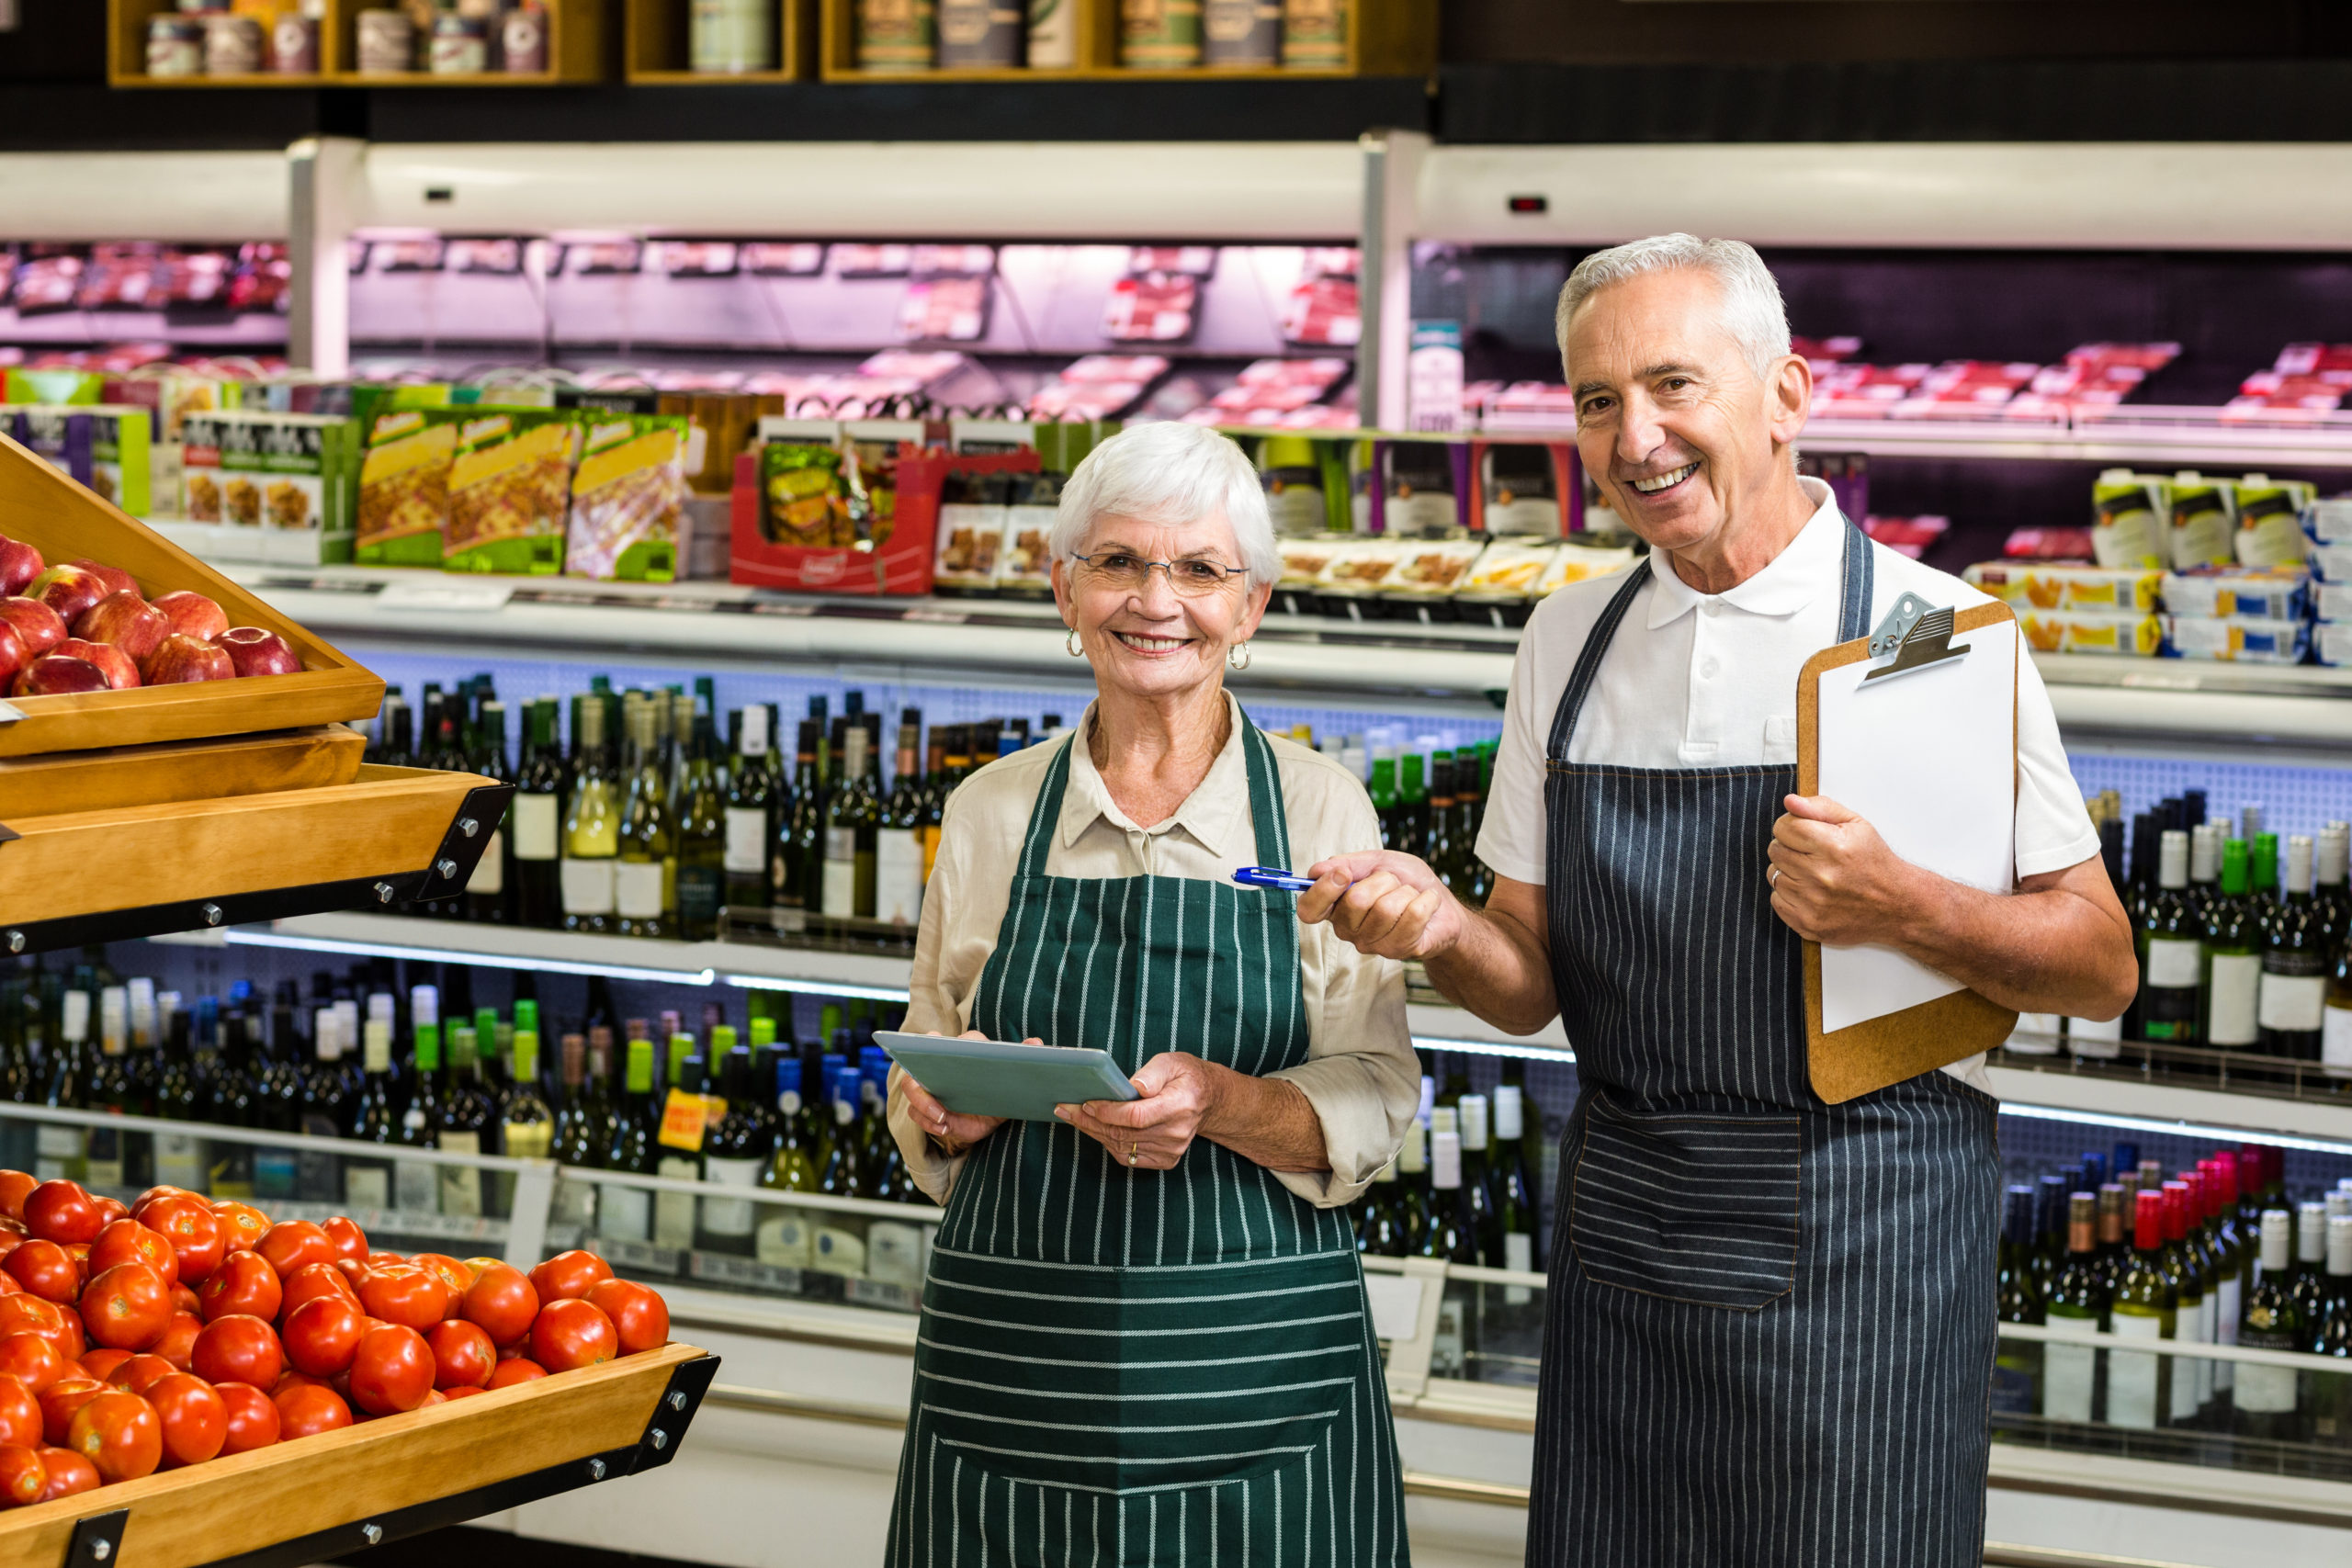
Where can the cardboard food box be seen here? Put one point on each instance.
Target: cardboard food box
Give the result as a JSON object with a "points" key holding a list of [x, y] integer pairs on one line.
{"points": [[268, 486], [404, 488], [2220, 594], [628, 499], [898, 560], [2091, 631], [510, 491], [2244, 641], [2060, 587]]}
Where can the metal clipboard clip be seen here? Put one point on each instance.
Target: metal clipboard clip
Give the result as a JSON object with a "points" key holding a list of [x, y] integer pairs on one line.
{"points": [[1918, 634]]}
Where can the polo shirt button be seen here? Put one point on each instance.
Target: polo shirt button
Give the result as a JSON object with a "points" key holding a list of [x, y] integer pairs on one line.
{"points": [[1708, 669]]}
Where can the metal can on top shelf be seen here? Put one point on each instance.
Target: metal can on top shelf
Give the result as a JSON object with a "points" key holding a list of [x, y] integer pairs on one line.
{"points": [[727, 37], [1315, 34], [294, 46], [387, 41], [895, 35], [233, 46], [174, 46], [523, 41], [460, 46], [1159, 35], [1242, 34]]}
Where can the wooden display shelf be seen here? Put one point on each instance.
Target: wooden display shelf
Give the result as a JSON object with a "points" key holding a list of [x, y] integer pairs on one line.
{"points": [[1388, 37], [400, 1474], [576, 52], [126, 54], [65, 521], [320, 758], [655, 50]]}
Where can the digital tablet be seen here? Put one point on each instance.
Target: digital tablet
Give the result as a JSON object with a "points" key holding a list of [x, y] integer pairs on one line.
{"points": [[991, 1078]]}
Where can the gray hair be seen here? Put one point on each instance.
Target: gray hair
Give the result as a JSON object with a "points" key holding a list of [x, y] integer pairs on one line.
{"points": [[1752, 311], [1169, 473]]}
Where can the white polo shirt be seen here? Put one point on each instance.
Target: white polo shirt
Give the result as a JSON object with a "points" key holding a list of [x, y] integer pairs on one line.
{"points": [[1699, 679]]}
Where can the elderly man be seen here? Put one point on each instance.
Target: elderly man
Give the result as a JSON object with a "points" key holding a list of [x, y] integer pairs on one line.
{"points": [[1772, 1321]]}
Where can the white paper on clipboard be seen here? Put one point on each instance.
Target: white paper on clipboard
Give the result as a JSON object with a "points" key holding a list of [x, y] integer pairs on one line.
{"points": [[1929, 759]]}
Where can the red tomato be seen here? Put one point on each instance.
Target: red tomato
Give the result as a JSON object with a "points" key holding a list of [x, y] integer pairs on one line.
{"points": [[110, 1209], [310, 1407], [101, 1364], [322, 1335], [462, 1355], [238, 1348], [23, 1478], [316, 1280], [242, 1224], [502, 1302], [128, 1307], [640, 1317], [475, 1265], [348, 1239], [186, 1300], [29, 1313], [134, 1375], [463, 1391], [161, 1190], [10, 1241], [32, 1359], [69, 1335], [46, 1269], [128, 1241], [568, 1275], [409, 1297], [19, 1414], [244, 1283], [179, 1338], [62, 1212], [450, 1272], [252, 1418], [194, 1418], [68, 1473], [119, 1433], [188, 1222], [61, 1399], [392, 1370], [14, 1188], [291, 1244], [571, 1334], [386, 1261], [514, 1370]]}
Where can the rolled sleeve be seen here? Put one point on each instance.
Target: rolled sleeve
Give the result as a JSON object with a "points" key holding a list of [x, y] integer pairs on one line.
{"points": [[934, 1007]]}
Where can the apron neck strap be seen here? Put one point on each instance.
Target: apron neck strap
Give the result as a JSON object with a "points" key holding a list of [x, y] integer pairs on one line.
{"points": [[1854, 601], [1266, 818]]}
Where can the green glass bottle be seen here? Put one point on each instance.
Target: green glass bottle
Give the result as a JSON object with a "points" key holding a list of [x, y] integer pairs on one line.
{"points": [[2295, 964], [2078, 1301], [702, 837], [2016, 1366], [2265, 892], [2233, 943], [2172, 953], [2268, 1399], [626, 1213], [796, 868], [2139, 1383], [734, 1153], [843, 821], [591, 827], [1412, 806], [750, 814], [1383, 798], [645, 875]]}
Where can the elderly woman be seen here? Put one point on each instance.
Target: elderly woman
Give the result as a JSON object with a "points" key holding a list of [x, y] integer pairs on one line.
{"points": [[1145, 1337]]}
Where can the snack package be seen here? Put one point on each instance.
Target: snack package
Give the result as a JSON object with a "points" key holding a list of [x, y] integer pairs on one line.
{"points": [[2249, 641], [2091, 631], [2130, 519], [2331, 601], [2332, 643], [2332, 563], [1435, 568], [2269, 516], [1032, 501], [278, 472], [121, 454], [804, 491], [58, 436], [628, 497], [2204, 522], [2223, 593], [1360, 565], [2329, 522], [970, 534], [404, 488], [2056, 587], [1508, 569], [1577, 563], [510, 491]]}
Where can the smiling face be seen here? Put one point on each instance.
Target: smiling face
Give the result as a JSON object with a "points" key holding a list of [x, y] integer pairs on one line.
{"points": [[1149, 641], [1672, 422]]}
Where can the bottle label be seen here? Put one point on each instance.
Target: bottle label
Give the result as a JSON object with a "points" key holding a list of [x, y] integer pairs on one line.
{"points": [[2266, 1391], [2225, 1302], [460, 1184], [2173, 963], [898, 876], [673, 1212], [416, 1188], [839, 1250], [2335, 1043], [637, 890], [536, 826], [682, 1123], [729, 1216], [2235, 982], [526, 1140], [1519, 1255], [2068, 1374], [747, 840], [490, 873], [587, 887], [2131, 1374], [2293, 1004], [698, 897], [624, 1214], [364, 1187], [785, 1240], [575, 1203], [2188, 1386], [179, 1161], [840, 886]]}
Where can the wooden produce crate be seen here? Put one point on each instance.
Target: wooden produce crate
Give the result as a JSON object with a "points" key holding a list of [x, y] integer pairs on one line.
{"points": [[325, 1496], [65, 521], [119, 776], [389, 836], [656, 50]]}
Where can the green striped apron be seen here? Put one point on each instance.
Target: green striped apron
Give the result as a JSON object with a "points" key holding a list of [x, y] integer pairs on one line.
{"points": [[1123, 1367]]}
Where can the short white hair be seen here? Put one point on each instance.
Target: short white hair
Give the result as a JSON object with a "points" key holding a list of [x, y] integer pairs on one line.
{"points": [[1753, 312], [1169, 473]]}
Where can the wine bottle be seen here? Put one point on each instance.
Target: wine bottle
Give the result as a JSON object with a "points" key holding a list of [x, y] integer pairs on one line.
{"points": [[2172, 951], [2193, 1307], [2267, 1403], [60, 1151], [734, 1152], [702, 838], [2233, 944], [2017, 1298], [2295, 964], [2230, 1264], [1518, 1210], [841, 875], [933, 798], [2139, 1383], [2204, 869], [897, 840], [2332, 1394], [2264, 859], [592, 830], [416, 1187], [626, 1213], [489, 896], [678, 1145], [535, 819], [1384, 800], [797, 861], [751, 814], [645, 875], [1477, 1181], [465, 1127], [2328, 869], [2306, 1282], [1440, 849], [2077, 1301], [1449, 1236]]}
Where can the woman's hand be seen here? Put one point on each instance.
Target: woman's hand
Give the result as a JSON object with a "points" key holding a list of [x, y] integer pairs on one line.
{"points": [[1180, 1092], [951, 1130]]}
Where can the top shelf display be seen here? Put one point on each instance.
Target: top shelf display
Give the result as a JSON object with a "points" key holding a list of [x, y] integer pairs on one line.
{"points": [[316, 43]]}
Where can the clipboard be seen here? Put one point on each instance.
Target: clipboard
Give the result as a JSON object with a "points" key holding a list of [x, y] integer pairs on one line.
{"points": [[1915, 744], [996, 1077]]}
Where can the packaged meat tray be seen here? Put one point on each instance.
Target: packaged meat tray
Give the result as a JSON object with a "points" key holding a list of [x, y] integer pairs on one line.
{"points": [[1579, 563], [2055, 587], [1436, 567]]}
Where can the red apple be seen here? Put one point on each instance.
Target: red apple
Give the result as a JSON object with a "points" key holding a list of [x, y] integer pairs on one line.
{"points": [[37, 626], [19, 564], [127, 621], [182, 659], [193, 614], [68, 590], [14, 658], [256, 652], [120, 673], [53, 673], [116, 579]]}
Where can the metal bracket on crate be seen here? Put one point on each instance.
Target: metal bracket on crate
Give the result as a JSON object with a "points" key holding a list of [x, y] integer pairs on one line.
{"points": [[689, 1381], [97, 1540], [445, 877]]}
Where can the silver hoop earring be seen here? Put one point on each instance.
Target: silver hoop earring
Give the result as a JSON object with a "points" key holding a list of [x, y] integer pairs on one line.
{"points": [[1076, 648], [1237, 656]]}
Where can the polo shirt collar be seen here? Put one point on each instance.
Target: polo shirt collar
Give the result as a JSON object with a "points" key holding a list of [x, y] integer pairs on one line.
{"points": [[1217, 814], [1806, 566]]}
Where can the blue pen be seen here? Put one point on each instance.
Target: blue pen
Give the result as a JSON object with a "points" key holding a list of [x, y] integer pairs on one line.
{"points": [[1270, 876]]}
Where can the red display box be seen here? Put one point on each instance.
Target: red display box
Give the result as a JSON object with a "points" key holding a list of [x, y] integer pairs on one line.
{"points": [[901, 567]]}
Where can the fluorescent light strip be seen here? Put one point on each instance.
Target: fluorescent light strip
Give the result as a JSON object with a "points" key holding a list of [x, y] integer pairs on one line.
{"points": [[240, 937], [1532, 1052], [2231, 1135], [817, 987]]}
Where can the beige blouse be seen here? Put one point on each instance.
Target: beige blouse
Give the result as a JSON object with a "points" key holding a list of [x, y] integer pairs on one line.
{"points": [[1360, 1075]]}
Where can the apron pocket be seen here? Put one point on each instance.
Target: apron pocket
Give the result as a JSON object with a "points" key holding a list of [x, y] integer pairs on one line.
{"points": [[1699, 1209]]}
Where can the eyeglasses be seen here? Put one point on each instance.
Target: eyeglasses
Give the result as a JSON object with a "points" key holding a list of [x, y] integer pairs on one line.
{"points": [[1128, 573]]}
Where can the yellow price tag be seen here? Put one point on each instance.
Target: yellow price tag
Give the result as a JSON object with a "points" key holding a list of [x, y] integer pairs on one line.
{"points": [[683, 1118]]}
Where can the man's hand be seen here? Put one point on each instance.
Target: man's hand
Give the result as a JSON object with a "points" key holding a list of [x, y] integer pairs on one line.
{"points": [[951, 1130], [1180, 1092], [1837, 882], [1389, 905]]}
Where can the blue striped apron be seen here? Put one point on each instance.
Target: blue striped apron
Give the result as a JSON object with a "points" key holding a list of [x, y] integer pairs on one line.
{"points": [[1124, 1367], [1771, 1324]]}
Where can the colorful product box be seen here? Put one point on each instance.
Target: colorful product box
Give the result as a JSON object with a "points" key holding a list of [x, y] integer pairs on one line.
{"points": [[628, 497], [2332, 643], [2059, 587], [2270, 519], [2220, 594], [510, 491], [2240, 641], [404, 487], [2091, 631], [278, 473], [2204, 521], [2129, 524]]}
